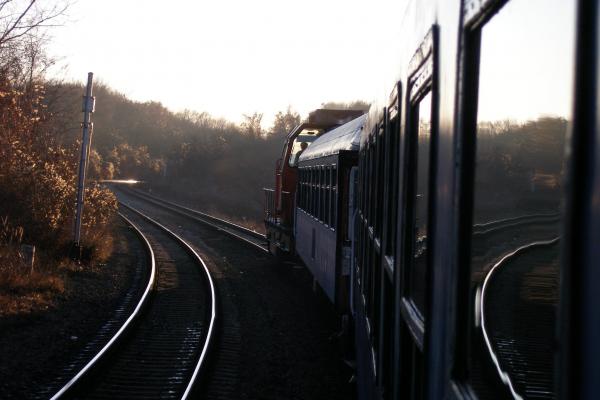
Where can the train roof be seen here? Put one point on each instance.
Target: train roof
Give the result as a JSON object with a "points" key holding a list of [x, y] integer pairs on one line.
{"points": [[345, 137]]}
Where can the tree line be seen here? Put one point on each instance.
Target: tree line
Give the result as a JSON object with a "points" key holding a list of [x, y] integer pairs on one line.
{"points": [[212, 163], [38, 167]]}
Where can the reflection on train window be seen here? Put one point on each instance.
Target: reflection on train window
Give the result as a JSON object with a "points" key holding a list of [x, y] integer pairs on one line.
{"points": [[419, 267], [523, 113]]}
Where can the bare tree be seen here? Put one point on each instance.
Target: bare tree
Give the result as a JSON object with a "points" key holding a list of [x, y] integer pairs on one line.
{"points": [[23, 37], [284, 122], [19, 18], [252, 125]]}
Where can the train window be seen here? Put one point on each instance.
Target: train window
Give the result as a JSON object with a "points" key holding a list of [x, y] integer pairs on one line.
{"points": [[523, 113], [328, 195], [301, 189], [313, 192], [331, 196], [334, 197], [392, 184], [322, 208], [421, 113], [308, 190], [371, 189], [299, 193], [318, 193], [300, 144], [304, 189], [381, 148], [417, 177]]}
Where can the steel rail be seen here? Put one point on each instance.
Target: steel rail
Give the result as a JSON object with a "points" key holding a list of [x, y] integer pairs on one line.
{"points": [[202, 214], [126, 325], [496, 225], [213, 313], [227, 230], [504, 376]]}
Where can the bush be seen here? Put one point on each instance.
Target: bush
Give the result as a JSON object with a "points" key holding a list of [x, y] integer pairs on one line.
{"points": [[38, 175]]}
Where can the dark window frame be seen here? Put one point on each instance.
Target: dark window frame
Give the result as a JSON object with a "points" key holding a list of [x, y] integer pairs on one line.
{"points": [[475, 14], [422, 80]]}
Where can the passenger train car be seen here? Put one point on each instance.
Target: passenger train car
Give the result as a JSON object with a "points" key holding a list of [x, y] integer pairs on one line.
{"points": [[461, 233], [325, 209]]}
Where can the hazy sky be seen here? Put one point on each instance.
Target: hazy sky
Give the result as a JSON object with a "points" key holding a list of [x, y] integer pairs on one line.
{"points": [[526, 61], [234, 57], [225, 57]]}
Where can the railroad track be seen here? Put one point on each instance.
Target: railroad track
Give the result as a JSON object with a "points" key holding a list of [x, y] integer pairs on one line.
{"points": [[161, 350], [517, 310], [236, 231], [513, 222], [485, 230]]}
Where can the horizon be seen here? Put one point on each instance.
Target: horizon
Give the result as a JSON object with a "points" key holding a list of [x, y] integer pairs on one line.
{"points": [[284, 58]]}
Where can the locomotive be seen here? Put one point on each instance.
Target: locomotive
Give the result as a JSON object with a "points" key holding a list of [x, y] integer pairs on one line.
{"points": [[456, 223]]}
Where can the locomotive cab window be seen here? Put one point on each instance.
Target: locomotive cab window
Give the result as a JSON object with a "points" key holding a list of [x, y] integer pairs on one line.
{"points": [[300, 144], [519, 131]]}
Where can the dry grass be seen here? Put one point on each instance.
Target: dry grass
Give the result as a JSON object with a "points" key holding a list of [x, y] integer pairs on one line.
{"points": [[23, 290], [99, 244]]}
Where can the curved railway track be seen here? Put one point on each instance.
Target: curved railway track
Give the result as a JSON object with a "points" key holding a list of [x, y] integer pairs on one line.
{"points": [[511, 356], [236, 231], [486, 230], [517, 316], [265, 328], [162, 348], [513, 222]]}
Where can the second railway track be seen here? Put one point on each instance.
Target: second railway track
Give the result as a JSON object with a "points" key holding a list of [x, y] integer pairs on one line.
{"points": [[236, 231], [163, 354]]}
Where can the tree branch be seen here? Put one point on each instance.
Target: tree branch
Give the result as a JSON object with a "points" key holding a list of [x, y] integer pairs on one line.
{"points": [[17, 21]]}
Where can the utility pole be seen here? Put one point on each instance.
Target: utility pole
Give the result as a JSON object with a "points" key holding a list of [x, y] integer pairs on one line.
{"points": [[89, 103]]}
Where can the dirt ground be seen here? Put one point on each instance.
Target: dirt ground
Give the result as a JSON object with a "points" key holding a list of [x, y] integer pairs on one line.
{"points": [[37, 345]]}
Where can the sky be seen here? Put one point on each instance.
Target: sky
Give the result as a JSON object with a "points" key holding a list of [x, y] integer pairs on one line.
{"points": [[224, 57], [235, 57], [526, 63]]}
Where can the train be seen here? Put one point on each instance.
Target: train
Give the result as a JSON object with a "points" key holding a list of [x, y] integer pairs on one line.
{"points": [[455, 225]]}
